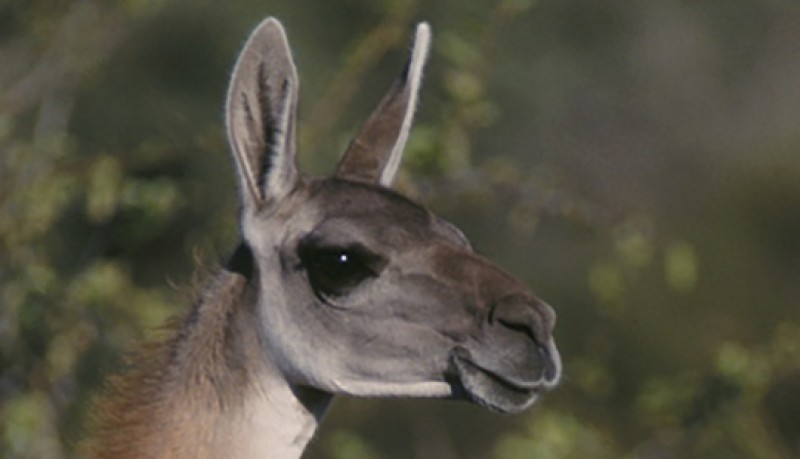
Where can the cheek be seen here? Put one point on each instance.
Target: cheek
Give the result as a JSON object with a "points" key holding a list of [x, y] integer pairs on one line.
{"points": [[400, 308], [394, 350], [291, 329], [450, 308]]}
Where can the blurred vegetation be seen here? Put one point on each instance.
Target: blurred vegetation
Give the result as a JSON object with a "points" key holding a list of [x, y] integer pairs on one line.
{"points": [[637, 163]]}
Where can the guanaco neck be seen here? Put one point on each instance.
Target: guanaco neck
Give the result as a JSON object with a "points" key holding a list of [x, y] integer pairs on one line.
{"points": [[209, 391]]}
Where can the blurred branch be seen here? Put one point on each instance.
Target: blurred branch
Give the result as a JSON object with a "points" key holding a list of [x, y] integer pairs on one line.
{"points": [[388, 34], [80, 41], [84, 37]]}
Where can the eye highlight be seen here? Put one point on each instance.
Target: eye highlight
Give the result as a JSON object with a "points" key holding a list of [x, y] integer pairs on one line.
{"points": [[333, 272]]}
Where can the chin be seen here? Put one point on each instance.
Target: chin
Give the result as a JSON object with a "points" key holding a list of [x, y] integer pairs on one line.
{"points": [[492, 391]]}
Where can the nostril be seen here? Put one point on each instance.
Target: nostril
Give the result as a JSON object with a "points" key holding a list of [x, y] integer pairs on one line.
{"points": [[522, 314], [519, 327]]}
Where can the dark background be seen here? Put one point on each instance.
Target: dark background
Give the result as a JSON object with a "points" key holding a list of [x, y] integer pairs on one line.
{"points": [[636, 162]]}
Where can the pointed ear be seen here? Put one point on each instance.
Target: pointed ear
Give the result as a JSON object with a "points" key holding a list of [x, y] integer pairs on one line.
{"points": [[374, 155], [261, 116]]}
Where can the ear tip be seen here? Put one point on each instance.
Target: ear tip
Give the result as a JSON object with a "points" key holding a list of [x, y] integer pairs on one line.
{"points": [[269, 26], [268, 42], [270, 21], [420, 48], [423, 33]]}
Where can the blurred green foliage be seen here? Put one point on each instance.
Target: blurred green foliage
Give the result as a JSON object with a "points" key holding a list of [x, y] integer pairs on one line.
{"points": [[638, 163]]}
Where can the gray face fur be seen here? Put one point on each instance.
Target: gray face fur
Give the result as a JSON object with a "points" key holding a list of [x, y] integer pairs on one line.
{"points": [[362, 291]]}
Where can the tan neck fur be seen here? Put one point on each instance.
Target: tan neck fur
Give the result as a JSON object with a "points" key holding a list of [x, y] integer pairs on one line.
{"points": [[206, 392]]}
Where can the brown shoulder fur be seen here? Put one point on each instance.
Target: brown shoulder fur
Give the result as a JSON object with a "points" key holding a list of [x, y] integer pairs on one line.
{"points": [[168, 402]]}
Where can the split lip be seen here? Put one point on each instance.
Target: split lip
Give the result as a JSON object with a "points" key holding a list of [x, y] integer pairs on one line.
{"points": [[532, 387], [472, 382]]}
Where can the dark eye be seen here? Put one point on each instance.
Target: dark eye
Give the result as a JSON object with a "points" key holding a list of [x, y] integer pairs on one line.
{"points": [[333, 271]]}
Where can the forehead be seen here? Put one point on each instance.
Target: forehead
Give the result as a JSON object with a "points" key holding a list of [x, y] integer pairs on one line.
{"points": [[385, 214]]}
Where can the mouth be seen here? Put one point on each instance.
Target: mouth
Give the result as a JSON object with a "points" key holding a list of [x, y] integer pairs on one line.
{"points": [[491, 390]]}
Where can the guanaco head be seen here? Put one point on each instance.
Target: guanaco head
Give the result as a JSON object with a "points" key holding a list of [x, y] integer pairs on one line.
{"points": [[360, 290]]}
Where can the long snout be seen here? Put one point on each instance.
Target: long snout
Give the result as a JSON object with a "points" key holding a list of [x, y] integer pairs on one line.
{"points": [[511, 355], [530, 320]]}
